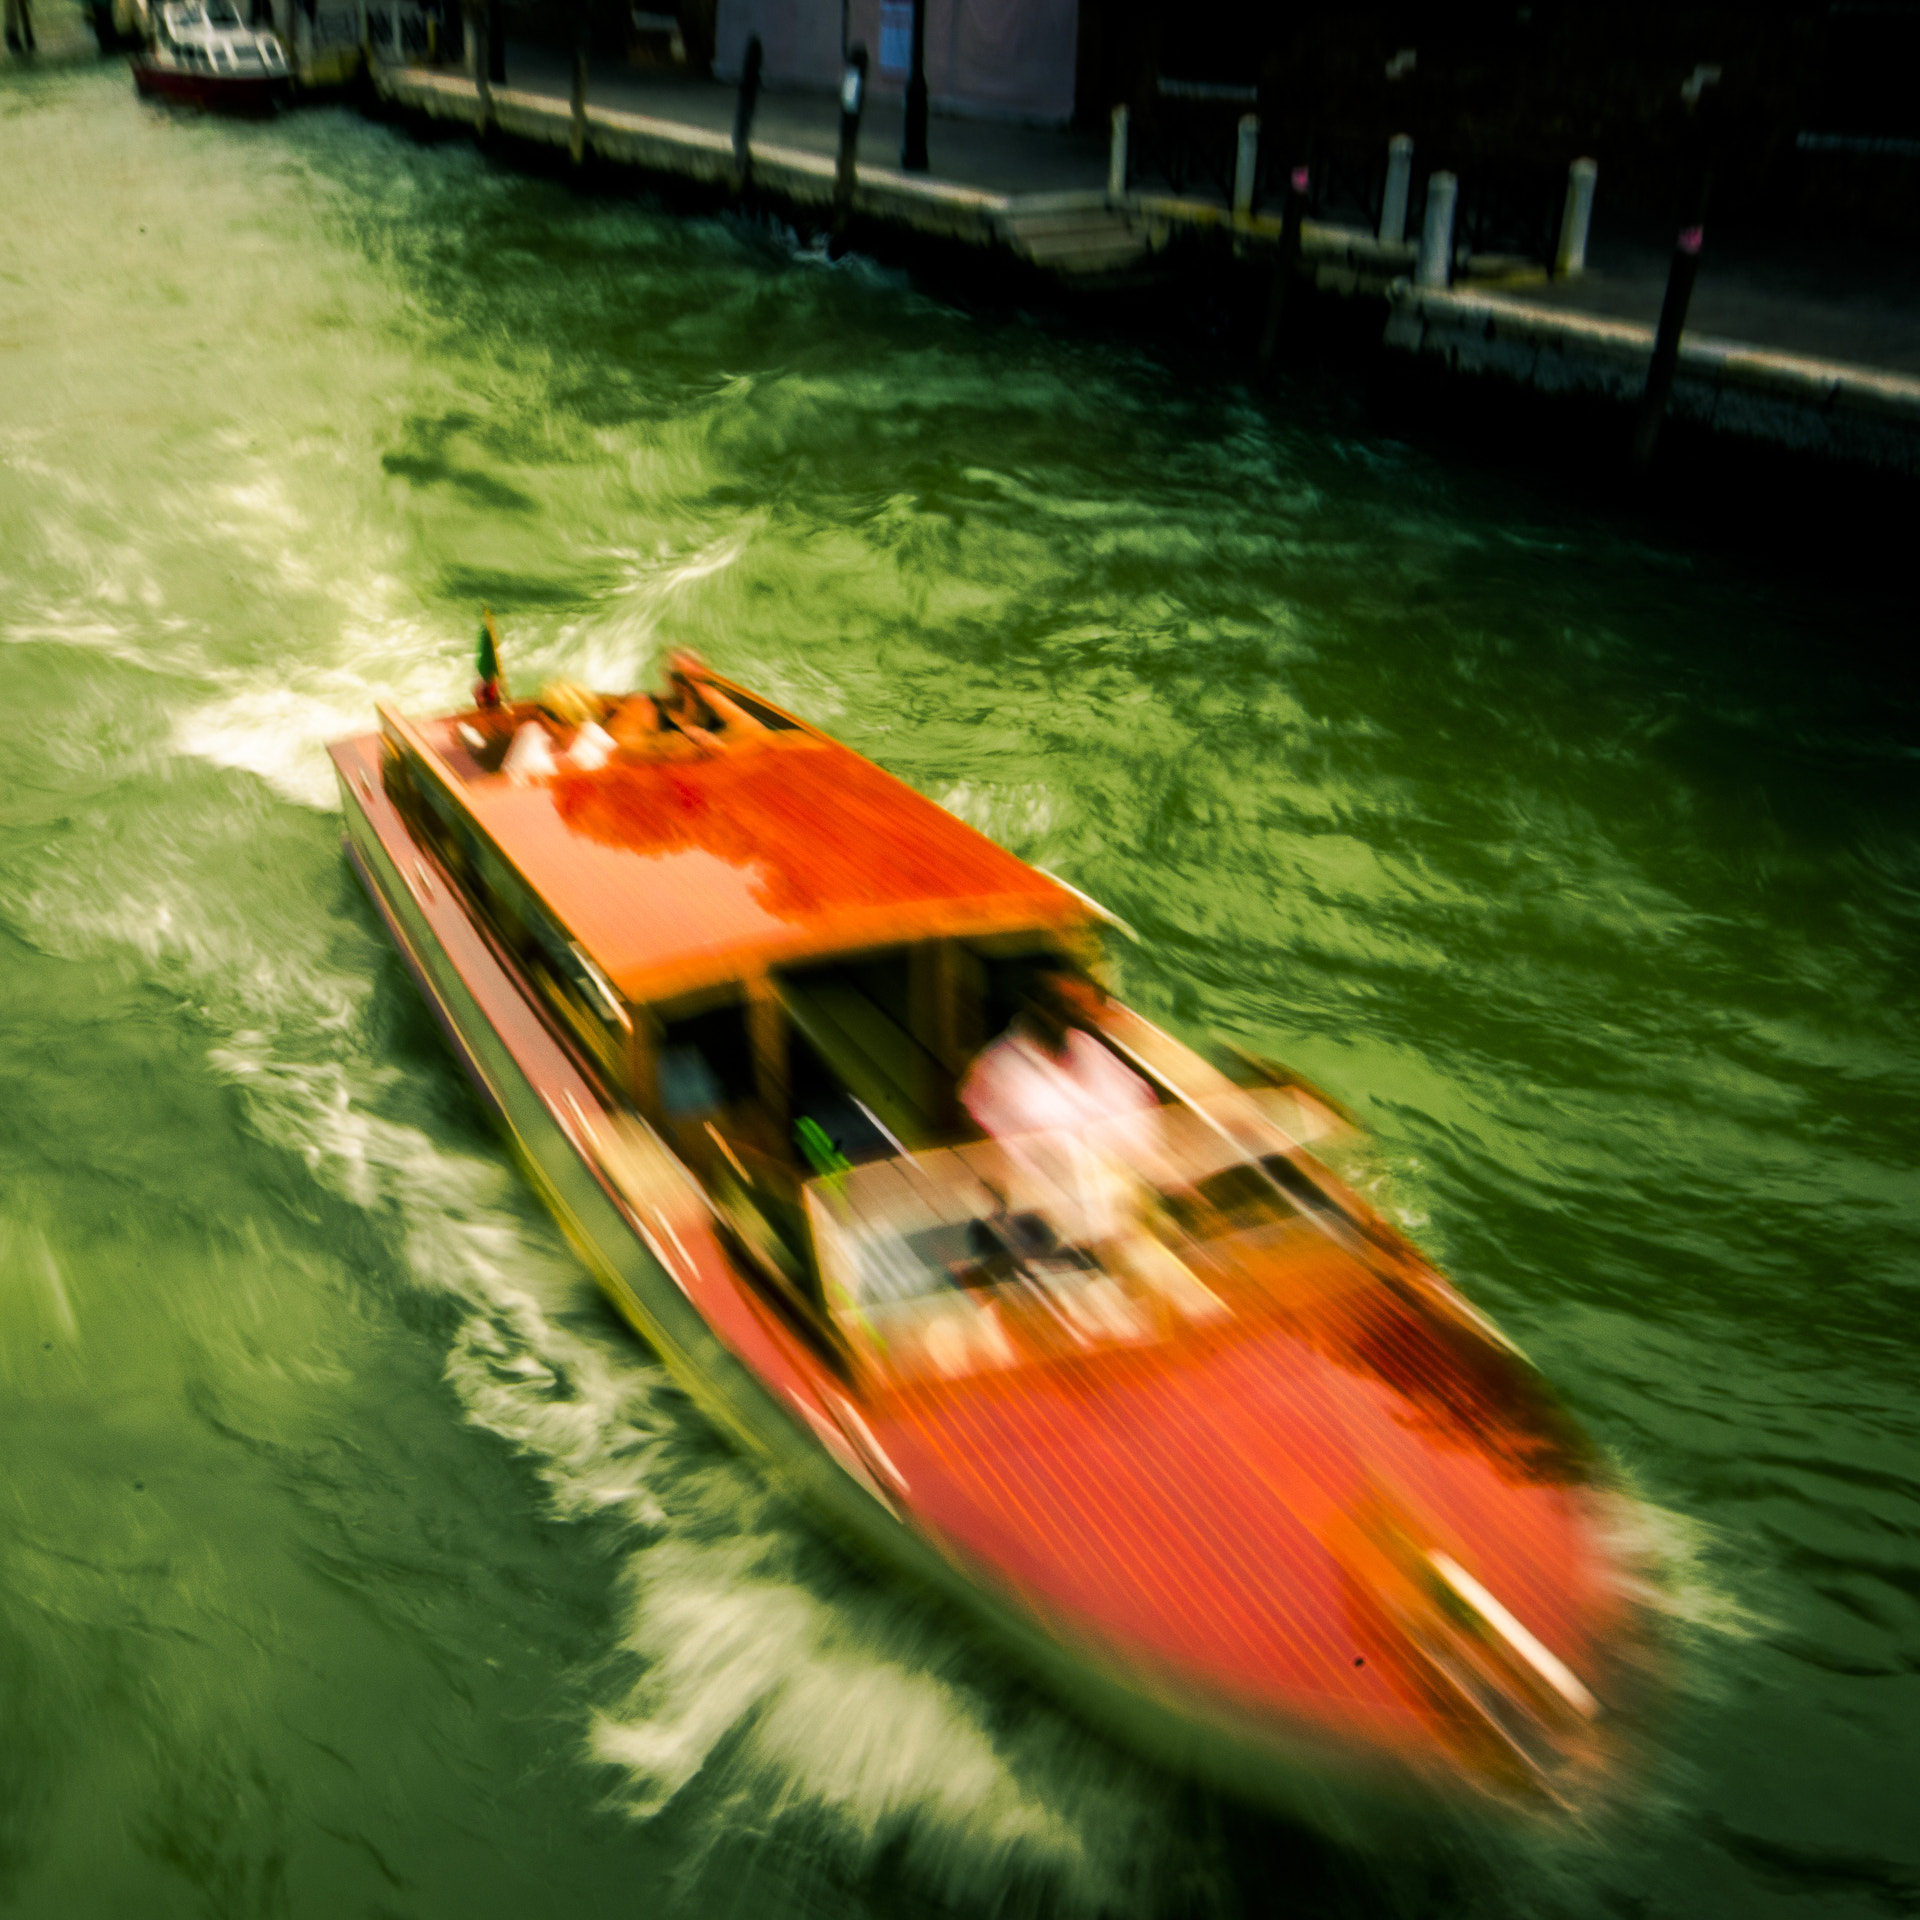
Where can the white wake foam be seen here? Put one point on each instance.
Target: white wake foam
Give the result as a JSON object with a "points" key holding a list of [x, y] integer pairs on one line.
{"points": [[756, 1674]]}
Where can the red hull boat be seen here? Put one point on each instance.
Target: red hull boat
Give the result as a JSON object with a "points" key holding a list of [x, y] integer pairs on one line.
{"points": [[222, 95], [203, 56], [1201, 1438]]}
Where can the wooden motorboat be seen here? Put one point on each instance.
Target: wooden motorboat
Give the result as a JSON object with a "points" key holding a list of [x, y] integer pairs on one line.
{"points": [[202, 53], [1207, 1443]]}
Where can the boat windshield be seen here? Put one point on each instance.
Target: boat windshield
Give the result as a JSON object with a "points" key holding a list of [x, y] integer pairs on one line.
{"points": [[1053, 1220]]}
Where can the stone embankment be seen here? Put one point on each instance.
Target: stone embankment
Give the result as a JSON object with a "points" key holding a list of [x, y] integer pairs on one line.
{"points": [[1098, 235]]}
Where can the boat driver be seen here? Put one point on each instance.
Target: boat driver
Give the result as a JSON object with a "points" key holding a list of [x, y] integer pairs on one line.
{"points": [[1067, 1112]]}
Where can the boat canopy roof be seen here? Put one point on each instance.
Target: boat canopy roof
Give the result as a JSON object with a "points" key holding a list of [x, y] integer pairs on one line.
{"points": [[675, 875]]}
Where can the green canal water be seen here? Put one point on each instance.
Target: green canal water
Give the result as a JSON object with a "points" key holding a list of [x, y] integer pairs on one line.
{"points": [[353, 1560]]}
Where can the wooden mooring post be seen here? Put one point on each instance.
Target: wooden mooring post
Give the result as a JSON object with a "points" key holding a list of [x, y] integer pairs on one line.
{"points": [[853, 100], [1570, 257], [482, 68], [1666, 346], [577, 130], [1246, 165], [913, 128], [1699, 93], [1434, 265], [1286, 261], [743, 112], [1393, 200]]}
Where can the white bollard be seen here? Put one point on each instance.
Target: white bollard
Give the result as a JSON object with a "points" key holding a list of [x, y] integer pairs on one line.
{"points": [[1435, 265], [1246, 158], [1572, 255], [1393, 203], [1117, 158]]}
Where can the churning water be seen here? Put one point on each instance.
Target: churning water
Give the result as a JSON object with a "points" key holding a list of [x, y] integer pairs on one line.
{"points": [[352, 1558]]}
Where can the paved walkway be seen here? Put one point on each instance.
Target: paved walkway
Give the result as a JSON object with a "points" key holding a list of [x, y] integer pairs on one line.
{"points": [[984, 154]]}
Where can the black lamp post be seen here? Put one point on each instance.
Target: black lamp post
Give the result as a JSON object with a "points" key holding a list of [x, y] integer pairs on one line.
{"points": [[913, 139]]}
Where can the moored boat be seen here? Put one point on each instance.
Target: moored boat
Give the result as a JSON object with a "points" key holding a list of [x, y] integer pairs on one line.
{"points": [[203, 54], [1173, 1411]]}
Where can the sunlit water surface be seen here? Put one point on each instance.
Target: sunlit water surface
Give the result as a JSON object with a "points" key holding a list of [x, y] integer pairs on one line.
{"points": [[352, 1558]]}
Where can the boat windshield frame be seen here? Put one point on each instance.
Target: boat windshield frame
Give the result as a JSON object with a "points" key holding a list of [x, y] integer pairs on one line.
{"points": [[994, 1251]]}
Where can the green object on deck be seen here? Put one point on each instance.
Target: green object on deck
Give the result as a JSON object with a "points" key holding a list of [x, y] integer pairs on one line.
{"points": [[822, 1155]]}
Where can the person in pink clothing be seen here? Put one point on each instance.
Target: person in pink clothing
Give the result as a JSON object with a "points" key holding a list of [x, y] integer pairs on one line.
{"points": [[1068, 1112]]}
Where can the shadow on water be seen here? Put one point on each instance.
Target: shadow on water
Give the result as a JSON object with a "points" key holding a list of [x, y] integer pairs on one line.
{"points": [[481, 488]]}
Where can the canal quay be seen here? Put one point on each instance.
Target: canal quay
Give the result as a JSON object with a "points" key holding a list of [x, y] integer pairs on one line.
{"points": [[354, 1559], [1802, 349]]}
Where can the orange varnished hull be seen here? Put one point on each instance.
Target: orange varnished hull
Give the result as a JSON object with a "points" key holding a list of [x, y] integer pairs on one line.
{"points": [[1296, 1521]]}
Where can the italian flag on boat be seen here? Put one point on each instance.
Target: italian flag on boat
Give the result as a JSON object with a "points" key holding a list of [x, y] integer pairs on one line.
{"points": [[487, 690]]}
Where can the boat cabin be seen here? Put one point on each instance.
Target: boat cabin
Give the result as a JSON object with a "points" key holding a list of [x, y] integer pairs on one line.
{"points": [[785, 961], [210, 38], [780, 957]]}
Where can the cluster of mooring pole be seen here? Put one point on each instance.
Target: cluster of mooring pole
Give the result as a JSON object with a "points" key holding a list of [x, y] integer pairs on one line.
{"points": [[1434, 256], [853, 101], [1434, 253]]}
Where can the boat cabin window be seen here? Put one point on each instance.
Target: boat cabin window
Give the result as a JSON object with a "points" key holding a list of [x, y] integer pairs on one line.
{"points": [[832, 1125], [704, 1064], [881, 1041], [717, 1098], [1003, 983], [865, 1053], [569, 981], [769, 717]]}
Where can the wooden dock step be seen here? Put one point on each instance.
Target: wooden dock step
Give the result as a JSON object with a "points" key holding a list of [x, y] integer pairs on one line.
{"points": [[1077, 239]]}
